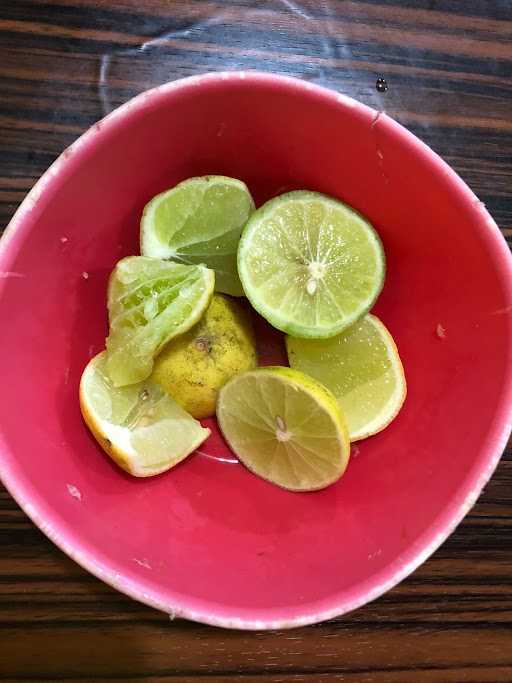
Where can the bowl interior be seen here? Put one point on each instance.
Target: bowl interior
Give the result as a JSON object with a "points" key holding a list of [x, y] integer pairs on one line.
{"points": [[209, 539]]}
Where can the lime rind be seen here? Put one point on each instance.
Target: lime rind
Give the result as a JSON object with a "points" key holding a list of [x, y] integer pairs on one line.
{"points": [[151, 301], [287, 274]]}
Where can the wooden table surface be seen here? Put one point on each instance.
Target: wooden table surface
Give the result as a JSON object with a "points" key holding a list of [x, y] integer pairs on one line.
{"points": [[448, 65]]}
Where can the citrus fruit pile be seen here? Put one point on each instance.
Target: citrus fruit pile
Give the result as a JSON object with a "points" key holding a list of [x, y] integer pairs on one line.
{"points": [[181, 348]]}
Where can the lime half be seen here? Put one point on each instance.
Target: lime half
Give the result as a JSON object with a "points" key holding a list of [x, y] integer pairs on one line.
{"points": [[285, 427], [139, 426], [199, 221], [362, 368], [150, 302], [310, 264]]}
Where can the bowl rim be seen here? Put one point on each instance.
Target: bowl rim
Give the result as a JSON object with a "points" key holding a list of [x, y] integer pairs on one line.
{"points": [[439, 529]]}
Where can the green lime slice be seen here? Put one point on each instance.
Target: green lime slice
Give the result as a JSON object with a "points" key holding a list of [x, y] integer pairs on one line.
{"points": [[310, 264], [285, 427], [150, 302], [199, 221], [361, 367]]}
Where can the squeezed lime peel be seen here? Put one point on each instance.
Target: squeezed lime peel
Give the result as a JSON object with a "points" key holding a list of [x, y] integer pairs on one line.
{"points": [[150, 302]]}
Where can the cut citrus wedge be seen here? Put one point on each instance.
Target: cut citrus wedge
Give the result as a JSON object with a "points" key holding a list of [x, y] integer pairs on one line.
{"points": [[139, 426], [362, 368], [199, 221], [310, 264], [150, 302], [285, 427]]}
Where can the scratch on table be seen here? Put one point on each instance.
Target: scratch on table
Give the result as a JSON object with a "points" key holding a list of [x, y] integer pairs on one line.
{"points": [[296, 9], [160, 40]]}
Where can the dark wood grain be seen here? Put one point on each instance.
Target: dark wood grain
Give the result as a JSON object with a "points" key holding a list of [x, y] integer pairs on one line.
{"points": [[63, 65]]}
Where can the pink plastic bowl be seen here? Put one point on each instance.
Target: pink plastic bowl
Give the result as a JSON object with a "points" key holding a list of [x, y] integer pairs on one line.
{"points": [[209, 541]]}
